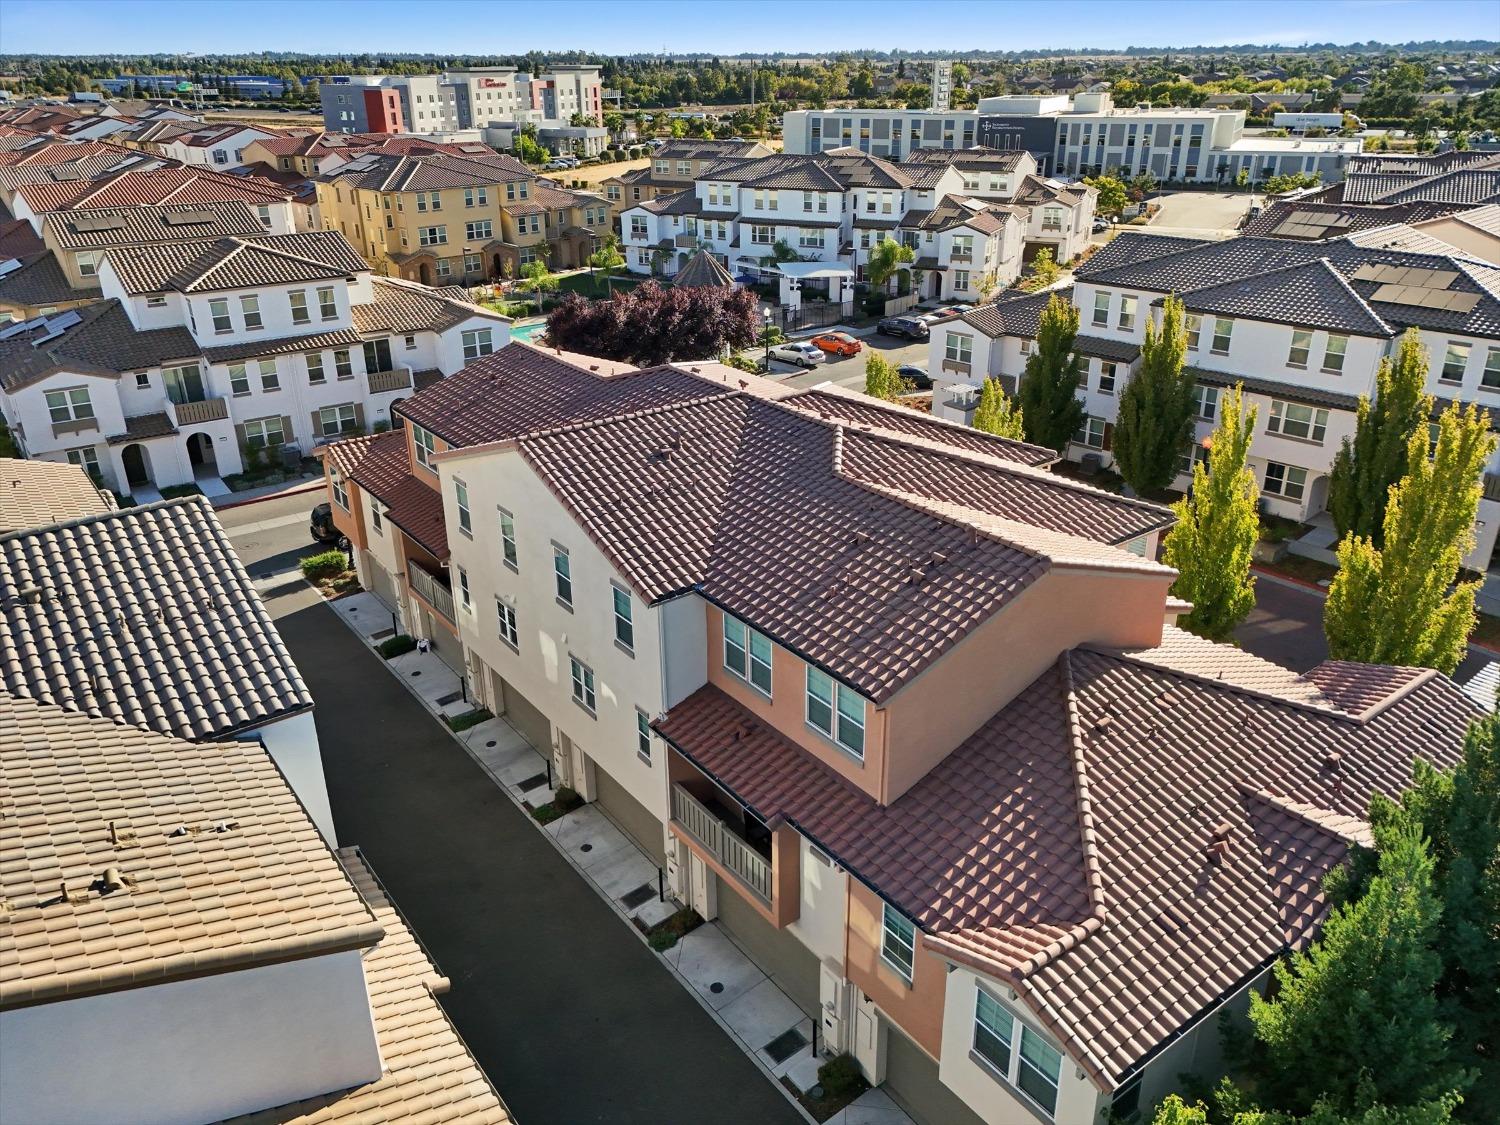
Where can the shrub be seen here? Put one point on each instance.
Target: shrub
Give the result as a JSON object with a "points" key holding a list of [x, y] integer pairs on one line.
{"points": [[470, 719], [326, 564], [665, 934], [567, 798], [839, 1076], [173, 491], [396, 646]]}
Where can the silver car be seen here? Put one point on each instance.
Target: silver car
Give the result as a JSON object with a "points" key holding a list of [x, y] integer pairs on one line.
{"points": [[802, 355]]}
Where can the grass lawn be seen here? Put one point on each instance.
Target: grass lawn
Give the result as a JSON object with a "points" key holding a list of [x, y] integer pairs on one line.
{"points": [[594, 287]]}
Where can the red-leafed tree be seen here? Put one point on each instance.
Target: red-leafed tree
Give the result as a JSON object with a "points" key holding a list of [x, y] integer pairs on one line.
{"points": [[650, 324]]}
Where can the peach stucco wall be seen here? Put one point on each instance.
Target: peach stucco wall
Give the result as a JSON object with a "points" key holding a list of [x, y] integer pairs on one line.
{"points": [[917, 1006]]}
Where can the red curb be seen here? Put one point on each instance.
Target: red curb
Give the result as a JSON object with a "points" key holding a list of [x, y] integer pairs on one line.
{"points": [[301, 488], [1276, 574]]}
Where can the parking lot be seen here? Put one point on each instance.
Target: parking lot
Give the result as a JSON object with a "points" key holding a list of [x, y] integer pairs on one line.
{"points": [[849, 371], [1201, 214]]}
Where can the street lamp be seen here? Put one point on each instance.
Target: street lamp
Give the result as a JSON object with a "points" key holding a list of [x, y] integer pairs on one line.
{"points": [[766, 335]]}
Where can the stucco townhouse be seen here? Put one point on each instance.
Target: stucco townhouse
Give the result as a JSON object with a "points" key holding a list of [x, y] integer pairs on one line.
{"points": [[204, 358], [675, 166], [870, 686]]}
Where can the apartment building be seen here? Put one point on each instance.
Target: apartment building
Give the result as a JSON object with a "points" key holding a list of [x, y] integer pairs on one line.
{"points": [[1301, 325], [471, 97], [892, 134], [835, 207], [204, 357], [675, 167], [868, 684], [459, 219]]}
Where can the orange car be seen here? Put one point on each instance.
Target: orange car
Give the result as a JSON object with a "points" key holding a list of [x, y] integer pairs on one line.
{"points": [[837, 343]]}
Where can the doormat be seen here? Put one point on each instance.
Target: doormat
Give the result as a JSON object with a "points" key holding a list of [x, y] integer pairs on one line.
{"points": [[383, 634], [785, 1045], [638, 897], [451, 697], [535, 781]]}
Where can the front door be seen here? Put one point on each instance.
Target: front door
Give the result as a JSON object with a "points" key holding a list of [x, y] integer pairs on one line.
{"points": [[134, 458], [869, 1038]]}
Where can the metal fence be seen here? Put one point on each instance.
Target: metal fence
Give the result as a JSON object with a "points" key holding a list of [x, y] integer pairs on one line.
{"points": [[811, 316]]}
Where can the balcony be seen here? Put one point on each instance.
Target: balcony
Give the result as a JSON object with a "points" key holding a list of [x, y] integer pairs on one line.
{"points": [[431, 589], [957, 366], [74, 426], [396, 379], [961, 257], [194, 413], [715, 835]]}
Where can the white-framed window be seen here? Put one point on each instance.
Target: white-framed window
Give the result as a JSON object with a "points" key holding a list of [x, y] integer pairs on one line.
{"points": [[762, 235], [239, 380], [1192, 324], [508, 539], [250, 310], [1101, 310], [70, 406], [506, 616], [156, 301], [1490, 378], [336, 482], [481, 231], [643, 736], [1019, 1054], [343, 363], [961, 279], [461, 498], [583, 685], [898, 941], [86, 459], [218, 310], [963, 247], [1192, 454], [1333, 354], [1301, 348], [328, 308], [429, 201], [1205, 402], [809, 237], [638, 227], [1091, 432], [269, 379], [747, 654], [315, 372], [1455, 359], [334, 420], [562, 573], [476, 196], [444, 267], [465, 599], [1293, 420], [478, 342], [88, 262], [263, 213], [1106, 378], [301, 314], [409, 342], [424, 446], [1286, 481], [1126, 322], [263, 432], [1223, 328], [624, 616], [959, 348], [143, 380], [375, 521], [836, 711], [432, 236]]}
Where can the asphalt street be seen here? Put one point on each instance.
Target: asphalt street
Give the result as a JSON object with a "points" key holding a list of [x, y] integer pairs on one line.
{"points": [[849, 372]]}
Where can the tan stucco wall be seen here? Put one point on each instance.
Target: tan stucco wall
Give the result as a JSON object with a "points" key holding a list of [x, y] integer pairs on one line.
{"points": [[918, 1006]]}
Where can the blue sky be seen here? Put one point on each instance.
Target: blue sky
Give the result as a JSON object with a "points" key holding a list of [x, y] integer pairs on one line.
{"points": [[630, 26]]}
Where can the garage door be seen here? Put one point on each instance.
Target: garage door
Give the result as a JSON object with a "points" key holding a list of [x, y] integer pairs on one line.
{"points": [[911, 1078], [634, 819], [779, 954], [382, 585], [532, 724]]}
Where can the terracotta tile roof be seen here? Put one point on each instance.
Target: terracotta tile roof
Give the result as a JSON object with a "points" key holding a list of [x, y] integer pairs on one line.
{"points": [[417, 509], [144, 616], [401, 307], [204, 837], [703, 271], [389, 171], [103, 341], [1361, 689], [127, 226], [429, 1073], [381, 466], [722, 494], [521, 388], [37, 493], [164, 183], [236, 263], [346, 453]]}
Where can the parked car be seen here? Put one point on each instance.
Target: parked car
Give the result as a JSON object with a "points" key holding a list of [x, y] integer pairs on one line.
{"points": [[321, 525], [803, 355], [836, 343], [1101, 225], [916, 376], [906, 327]]}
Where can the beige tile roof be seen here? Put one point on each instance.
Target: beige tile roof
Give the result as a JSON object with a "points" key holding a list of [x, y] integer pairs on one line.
{"points": [[144, 616], [236, 263], [401, 306], [37, 493], [127, 226], [219, 864], [430, 1076]]}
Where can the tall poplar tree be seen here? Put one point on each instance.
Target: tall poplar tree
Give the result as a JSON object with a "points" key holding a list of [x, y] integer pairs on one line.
{"points": [[1156, 407], [1048, 394], [996, 414]]}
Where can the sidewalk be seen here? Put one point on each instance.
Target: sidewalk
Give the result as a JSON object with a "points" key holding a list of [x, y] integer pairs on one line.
{"points": [[761, 1019], [266, 492]]}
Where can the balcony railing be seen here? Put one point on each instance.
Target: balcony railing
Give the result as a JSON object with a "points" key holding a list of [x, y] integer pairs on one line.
{"points": [[431, 590], [958, 366], [191, 413], [961, 256], [74, 426], [396, 379], [752, 868]]}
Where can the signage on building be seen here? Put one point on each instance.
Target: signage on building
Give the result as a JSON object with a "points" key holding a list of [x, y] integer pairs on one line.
{"points": [[492, 84]]}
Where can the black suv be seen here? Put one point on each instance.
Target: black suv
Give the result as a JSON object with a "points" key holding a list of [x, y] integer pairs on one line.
{"points": [[907, 327], [321, 525]]}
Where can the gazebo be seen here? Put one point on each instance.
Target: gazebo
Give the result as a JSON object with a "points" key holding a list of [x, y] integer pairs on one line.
{"points": [[704, 271]]}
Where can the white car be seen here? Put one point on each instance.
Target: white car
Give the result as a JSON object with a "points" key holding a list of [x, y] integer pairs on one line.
{"points": [[802, 355]]}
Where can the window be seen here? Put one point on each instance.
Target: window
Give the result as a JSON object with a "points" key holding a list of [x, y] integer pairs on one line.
{"points": [[432, 236], [270, 380], [88, 262], [1036, 1069], [747, 654], [465, 599], [86, 459], [1101, 310], [70, 406], [1333, 354], [250, 310], [1126, 1104], [1293, 420], [409, 342], [375, 519], [624, 618], [562, 571], [960, 348], [1192, 454], [479, 232], [836, 711], [963, 247], [461, 496], [328, 308], [898, 941], [1301, 346], [478, 342], [643, 736], [315, 373], [1126, 323], [1091, 433], [143, 380], [1455, 359], [1205, 402], [444, 267], [583, 684], [239, 381], [156, 301], [343, 364], [1106, 378], [263, 432], [508, 539], [476, 197], [1490, 380], [1223, 326], [961, 279], [218, 309], [336, 481], [424, 446], [1193, 324], [334, 420], [762, 235], [638, 227], [1286, 481], [508, 631], [429, 201], [300, 312]]}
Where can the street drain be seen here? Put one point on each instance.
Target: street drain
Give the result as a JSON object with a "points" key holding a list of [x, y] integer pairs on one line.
{"points": [[587, 848], [418, 672], [785, 1045], [716, 988], [490, 745]]}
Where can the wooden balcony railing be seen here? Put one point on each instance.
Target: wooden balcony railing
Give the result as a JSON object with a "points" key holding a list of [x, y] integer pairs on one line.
{"points": [[74, 426], [752, 869], [206, 410], [431, 590], [396, 379]]}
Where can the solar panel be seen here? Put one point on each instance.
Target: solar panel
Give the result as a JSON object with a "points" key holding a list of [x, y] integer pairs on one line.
{"points": [[9, 266], [56, 326], [188, 218], [83, 224], [22, 326]]}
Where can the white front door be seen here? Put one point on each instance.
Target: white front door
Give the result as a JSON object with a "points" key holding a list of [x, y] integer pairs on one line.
{"points": [[869, 1038]]}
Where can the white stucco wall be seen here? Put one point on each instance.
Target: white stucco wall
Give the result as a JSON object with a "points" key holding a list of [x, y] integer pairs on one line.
{"points": [[190, 1051], [824, 894], [684, 640], [293, 745]]}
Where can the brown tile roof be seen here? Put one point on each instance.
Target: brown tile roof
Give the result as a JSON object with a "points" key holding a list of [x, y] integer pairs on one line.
{"points": [[1081, 817], [37, 493], [401, 307], [164, 183], [417, 509], [18, 240], [237, 263], [977, 159], [103, 341], [128, 226], [205, 838], [284, 345], [381, 466], [40, 281], [144, 616], [389, 171], [144, 426]]}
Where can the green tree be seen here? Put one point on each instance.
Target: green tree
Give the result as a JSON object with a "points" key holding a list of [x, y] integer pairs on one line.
{"points": [[607, 259], [1044, 271], [996, 414], [1242, 178], [1048, 395], [1113, 194], [1369, 464], [1174, 1111], [1156, 407], [886, 259], [1361, 1002], [538, 279], [1217, 526], [881, 378], [1393, 604]]}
